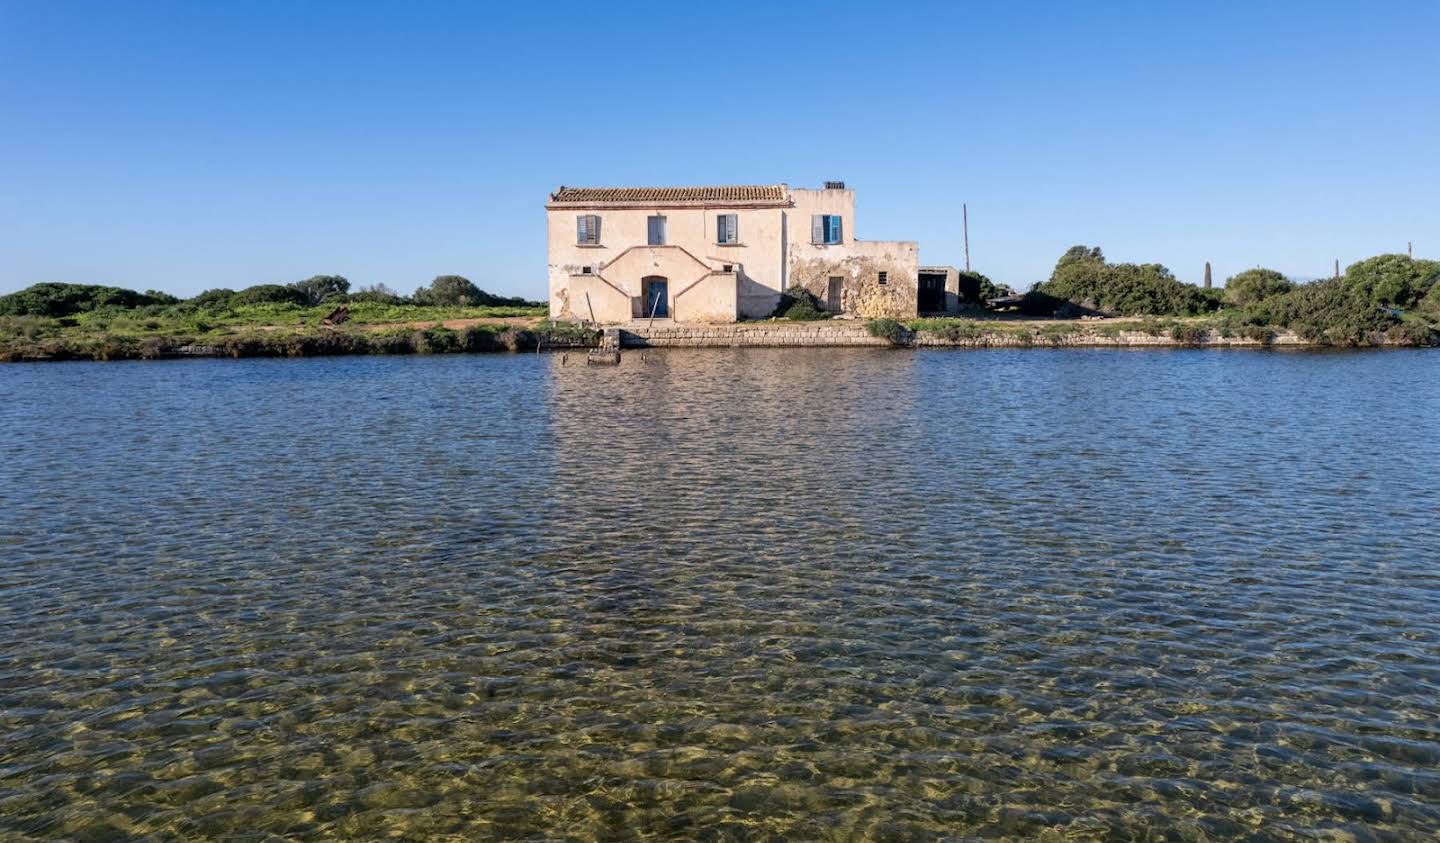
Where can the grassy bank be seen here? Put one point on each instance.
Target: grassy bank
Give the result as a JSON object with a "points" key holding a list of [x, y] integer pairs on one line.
{"points": [[279, 330]]}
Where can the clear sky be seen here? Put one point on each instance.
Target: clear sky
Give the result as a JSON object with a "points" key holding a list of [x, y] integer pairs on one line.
{"points": [[188, 145]]}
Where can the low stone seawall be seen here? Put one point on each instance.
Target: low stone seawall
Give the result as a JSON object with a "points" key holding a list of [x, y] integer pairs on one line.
{"points": [[1122, 339], [846, 334], [750, 334]]}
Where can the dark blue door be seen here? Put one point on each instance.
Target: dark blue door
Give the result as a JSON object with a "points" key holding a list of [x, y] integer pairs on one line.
{"points": [[657, 297]]}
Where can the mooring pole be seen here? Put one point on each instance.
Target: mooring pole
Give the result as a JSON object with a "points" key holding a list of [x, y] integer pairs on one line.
{"points": [[965, 217]]}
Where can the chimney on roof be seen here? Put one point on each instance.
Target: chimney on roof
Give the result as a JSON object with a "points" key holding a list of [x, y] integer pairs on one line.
{"points": [[834, 185]]}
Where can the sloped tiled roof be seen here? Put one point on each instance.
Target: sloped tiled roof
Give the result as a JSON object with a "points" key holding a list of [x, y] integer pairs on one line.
{"points": [[722, 194]]}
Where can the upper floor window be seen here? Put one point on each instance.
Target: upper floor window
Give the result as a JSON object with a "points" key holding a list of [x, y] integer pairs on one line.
{"points": [[656, 229], [587, 230], [726, 229], [884, 277], [826, 229]]}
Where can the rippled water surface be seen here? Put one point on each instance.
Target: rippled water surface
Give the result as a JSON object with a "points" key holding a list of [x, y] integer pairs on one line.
{"points": [[723, 595]]}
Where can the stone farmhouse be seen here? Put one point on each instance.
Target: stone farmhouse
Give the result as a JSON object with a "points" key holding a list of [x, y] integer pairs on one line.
{"points": [[721, 254]]}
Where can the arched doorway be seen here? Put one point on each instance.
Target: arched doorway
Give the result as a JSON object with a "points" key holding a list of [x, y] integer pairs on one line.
{"points": [[655, 297]]}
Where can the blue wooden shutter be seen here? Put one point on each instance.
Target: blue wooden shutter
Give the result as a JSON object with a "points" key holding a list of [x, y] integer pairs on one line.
{"points": [[581, 233], [657, 231], [817, 229], [833, 235]]}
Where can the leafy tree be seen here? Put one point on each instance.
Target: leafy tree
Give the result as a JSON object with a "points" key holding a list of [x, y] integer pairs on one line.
{"points": [[975, 287], [449, 291], [1392, 280], [318, 288], [1081, 254], [1256, 285]]}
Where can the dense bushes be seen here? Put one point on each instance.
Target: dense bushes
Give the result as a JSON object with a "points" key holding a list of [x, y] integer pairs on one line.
{"points": [[800, 305], [68, 299], [456, 291], [269, 294], [45, 343], [1387, 297], [1086, 280]]}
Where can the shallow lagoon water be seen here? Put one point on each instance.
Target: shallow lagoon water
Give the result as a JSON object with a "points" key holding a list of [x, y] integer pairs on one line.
{"points": [[723, 595]]}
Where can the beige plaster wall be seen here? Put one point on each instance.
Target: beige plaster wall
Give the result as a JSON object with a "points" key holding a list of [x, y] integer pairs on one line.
{"points": [[757, 261], [713, 298], [592, 298]]}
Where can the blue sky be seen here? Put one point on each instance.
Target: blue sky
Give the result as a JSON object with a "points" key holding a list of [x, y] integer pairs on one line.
{"points": [[182, 146]]}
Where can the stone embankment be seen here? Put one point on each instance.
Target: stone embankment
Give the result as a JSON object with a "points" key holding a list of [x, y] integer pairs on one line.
{"points": [[844, 334]]}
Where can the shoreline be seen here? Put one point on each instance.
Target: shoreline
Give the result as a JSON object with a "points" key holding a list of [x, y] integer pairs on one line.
{"points": [[366, 340]]}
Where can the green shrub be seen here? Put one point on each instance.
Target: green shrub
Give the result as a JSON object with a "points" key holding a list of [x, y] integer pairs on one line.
{"points": [[800, 305], [955, 331], [1189, 333], [1256, 285], [438, 340], [888, 329]]}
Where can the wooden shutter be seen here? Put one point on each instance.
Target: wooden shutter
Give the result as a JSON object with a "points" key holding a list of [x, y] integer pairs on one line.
{"points": [[729, 233], [817, 229], [581, 232], [657, 231], [839, 231], [595, 229]]}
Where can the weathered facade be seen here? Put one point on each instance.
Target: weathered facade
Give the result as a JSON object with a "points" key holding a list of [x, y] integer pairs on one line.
{"points": [[720, 254]]}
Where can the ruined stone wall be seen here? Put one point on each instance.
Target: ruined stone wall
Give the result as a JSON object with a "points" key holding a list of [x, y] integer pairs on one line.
{"points": [[858, 264]]}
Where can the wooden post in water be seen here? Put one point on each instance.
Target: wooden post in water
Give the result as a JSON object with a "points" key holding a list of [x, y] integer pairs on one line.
{"points": [[1207, 275], [965, 216]]}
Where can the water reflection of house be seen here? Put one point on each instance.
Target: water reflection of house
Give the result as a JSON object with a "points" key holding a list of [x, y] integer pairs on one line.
{"points": [[718, 254]]}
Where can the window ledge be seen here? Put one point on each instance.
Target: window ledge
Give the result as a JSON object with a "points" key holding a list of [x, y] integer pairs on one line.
{"points": [[590, 245], [730, 245]]}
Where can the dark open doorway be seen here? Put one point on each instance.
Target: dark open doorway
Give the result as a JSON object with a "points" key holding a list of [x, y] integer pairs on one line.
{"points": [[833, 293], [931, 292]]}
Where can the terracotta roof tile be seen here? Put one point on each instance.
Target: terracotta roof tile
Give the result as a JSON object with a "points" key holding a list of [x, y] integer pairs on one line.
{"points": [[740, 193]]}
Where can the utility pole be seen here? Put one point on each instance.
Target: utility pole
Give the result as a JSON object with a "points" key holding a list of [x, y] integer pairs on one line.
{"points": [[1410, 248], [1207, 275], [965, 215]]}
